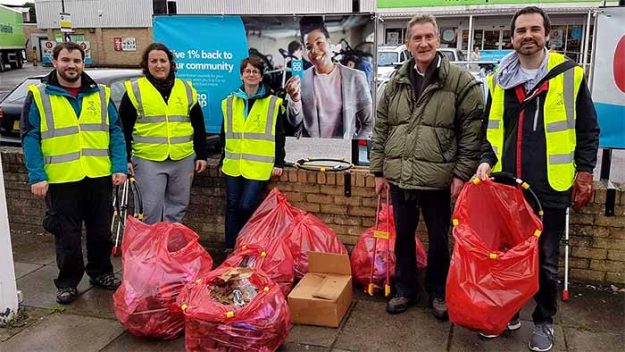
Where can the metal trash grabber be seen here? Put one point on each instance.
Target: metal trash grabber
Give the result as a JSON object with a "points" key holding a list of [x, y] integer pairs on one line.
{"points": [[381, 235], [121, 211], [565, 292]]}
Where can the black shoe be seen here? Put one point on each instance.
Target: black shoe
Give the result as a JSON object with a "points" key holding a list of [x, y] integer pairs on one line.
{"points": [[439, 309], [66, 295], [399, 304], [106, 281]]}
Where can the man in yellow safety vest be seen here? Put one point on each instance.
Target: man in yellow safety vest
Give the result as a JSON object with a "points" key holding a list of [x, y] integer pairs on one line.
{"points": [[541, 127], [73, 142]]}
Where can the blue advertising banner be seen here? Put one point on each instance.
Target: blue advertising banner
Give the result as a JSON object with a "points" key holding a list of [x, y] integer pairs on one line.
{"points": [[208, 52], [608, 88]]}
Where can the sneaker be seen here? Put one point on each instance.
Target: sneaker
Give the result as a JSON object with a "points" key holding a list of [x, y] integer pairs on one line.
{"points": [[514, 324], [66, 295], [106, 281], [439, 309], [542, 338], [399, 304]]}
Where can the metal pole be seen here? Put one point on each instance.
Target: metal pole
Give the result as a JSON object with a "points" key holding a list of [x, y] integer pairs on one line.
{"points": [[63, 6], [470, 43], [586, 40], [9, 302], [606, 164]]}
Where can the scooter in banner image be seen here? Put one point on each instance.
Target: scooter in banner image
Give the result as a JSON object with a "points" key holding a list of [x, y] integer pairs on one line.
{"points": [[357, 58], [273, 77]]}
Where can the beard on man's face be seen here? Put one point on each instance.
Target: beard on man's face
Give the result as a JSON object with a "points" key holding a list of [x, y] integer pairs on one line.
{"points": [[71, 77]]}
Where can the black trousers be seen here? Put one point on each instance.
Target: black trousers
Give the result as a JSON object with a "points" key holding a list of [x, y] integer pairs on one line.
{"points": [[436, 208], [546, 299], [69, 205]]}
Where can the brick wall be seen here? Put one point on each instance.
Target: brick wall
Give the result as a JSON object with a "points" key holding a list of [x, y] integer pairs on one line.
{"points": [[597, 241], [103, 50]]}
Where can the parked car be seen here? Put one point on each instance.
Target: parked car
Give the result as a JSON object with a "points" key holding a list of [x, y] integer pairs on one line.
{"points": [[11, 106], [389, 57]]}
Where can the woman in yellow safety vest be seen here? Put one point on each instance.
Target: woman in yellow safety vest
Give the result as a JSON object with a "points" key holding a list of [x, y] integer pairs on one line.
{"points": [[252, 143], [165, 135]]}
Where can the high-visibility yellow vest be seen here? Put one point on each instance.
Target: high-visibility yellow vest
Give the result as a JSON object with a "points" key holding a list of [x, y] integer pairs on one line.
{"points": [[163, 129], [73, 147], [559, 116], [250, 143]]}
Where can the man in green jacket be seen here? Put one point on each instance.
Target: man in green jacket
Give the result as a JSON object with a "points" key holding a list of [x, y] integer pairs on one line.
{"points": [[426, 144]]}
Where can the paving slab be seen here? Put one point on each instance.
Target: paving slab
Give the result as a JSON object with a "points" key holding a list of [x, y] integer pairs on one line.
{"points": [[595, 310], [370, 328], [29, 317], [581, 340], [39, 290], [312, 335], [64, 332], [33, 248], [96, 302], [295, 347], [23, 269], [467, 340], [129, 342]]}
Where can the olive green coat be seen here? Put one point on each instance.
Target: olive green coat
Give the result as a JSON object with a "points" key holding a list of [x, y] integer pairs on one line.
{"points": [[423, 143]]}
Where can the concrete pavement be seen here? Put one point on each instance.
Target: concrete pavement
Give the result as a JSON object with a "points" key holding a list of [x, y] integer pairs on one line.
{"points": [[593, 320]]}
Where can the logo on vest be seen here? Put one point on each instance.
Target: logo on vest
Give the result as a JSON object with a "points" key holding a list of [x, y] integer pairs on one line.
{"points": [[179, 102], [91, 107], [560, 99]]}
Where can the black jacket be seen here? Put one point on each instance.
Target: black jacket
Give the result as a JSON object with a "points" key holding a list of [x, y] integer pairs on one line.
{"points": [[533, 143]]}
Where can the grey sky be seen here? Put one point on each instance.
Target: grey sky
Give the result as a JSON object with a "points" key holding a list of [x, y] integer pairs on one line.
{"points": [[14, 2]]}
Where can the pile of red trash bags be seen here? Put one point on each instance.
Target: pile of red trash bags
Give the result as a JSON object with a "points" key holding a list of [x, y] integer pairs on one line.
{"points": [[380, 251], [494, 265], [277, 220], [158, 260], [234, 309], [275, 261]]}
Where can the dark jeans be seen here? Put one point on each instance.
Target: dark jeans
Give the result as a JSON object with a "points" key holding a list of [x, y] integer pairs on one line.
{"points": [[549, 253], [436, 208], [69, 205], [242, 199]]}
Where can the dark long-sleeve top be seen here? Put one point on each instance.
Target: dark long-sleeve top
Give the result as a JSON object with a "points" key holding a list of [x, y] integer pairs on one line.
{"points": [[128, 115], [533, 150], [280, 153]]}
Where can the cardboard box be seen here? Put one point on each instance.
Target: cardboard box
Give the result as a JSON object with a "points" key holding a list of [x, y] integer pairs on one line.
{"points": [[324, 294]]}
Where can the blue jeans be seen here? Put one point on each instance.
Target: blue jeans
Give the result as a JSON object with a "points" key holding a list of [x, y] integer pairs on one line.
{"points": [[242, 198]]}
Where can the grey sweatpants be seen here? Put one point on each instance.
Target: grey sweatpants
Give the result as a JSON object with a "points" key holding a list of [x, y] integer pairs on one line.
{"points": [[165, 187]]}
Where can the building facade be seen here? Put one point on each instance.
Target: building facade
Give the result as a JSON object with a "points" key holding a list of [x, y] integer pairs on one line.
{"points": [[483, 23]]}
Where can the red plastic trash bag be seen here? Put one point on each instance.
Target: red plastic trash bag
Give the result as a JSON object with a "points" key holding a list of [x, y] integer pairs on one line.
{"points": [[377, 246], [311, 234], [158, 260], [494, 265], [234, 309], [273, 220], [276, 262]]}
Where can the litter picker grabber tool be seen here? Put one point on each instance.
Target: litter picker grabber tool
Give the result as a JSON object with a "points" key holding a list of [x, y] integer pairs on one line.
{"points": [[120, 213], [384, 235], [565, 292]]}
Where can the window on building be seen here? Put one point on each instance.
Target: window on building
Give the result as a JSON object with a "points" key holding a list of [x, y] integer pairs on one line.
{"points": [[448, 37], [491, 40], [159, 7], [171, 7]]}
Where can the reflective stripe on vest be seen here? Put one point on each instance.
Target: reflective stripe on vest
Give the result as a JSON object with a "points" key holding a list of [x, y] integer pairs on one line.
{"points": [[250, 143], [73, 147], [559, 123], [163, 129]]}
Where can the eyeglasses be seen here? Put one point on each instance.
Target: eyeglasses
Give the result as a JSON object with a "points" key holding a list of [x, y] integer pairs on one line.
{"points": [[251, 72]]}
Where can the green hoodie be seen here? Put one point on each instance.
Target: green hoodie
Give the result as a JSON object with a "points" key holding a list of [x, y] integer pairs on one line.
{"points": [[423, 143]]}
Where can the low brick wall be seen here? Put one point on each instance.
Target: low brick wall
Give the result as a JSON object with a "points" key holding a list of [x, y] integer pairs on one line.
{"points": [[597, 241]]}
